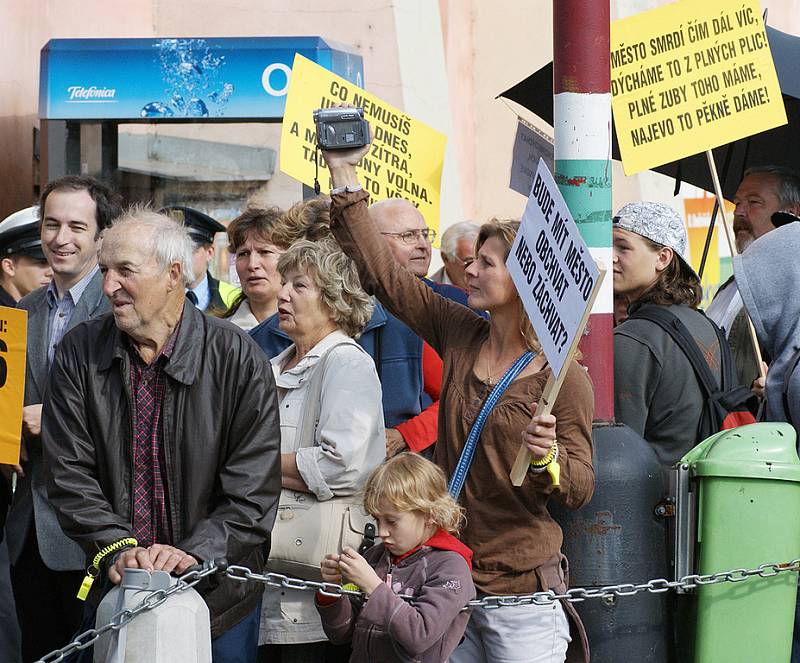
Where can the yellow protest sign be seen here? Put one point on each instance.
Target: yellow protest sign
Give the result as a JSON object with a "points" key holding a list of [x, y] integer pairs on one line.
{"points": [[13, 335], [688, 77], [406, 156]]}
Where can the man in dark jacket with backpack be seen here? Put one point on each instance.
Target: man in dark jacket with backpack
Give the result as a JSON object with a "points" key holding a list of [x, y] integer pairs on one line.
{"points": [[658, 391]]}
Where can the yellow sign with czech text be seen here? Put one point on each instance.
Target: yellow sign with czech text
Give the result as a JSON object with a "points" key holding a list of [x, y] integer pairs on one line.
{"points": [[406, 156], [13, 335], [688, 77]]}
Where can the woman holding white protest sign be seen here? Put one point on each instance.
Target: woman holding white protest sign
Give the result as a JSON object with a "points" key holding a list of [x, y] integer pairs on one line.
{"points": [[492, 368]]}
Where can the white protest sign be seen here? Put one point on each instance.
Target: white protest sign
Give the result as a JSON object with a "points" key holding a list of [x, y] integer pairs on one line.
{"points": [[558, 281], [552, 269], [530, 145]]}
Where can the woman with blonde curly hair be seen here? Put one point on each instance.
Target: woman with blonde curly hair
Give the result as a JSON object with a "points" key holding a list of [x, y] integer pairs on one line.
{"points": [[418, 557], [321, 307]]}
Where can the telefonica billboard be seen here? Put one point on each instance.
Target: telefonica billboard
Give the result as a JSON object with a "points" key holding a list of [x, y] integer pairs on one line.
{"points": [[232, 78]]}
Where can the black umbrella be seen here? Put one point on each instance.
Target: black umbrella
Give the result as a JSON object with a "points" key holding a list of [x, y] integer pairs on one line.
{"points": [[779, 146]]}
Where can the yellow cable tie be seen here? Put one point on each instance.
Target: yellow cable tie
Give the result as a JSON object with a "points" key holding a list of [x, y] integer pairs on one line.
{"points": [[543, 461], [549, 463], [94, 568]]}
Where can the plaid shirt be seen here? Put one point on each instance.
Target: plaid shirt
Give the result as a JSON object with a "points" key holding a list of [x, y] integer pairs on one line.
{"points": [[151, 522]]}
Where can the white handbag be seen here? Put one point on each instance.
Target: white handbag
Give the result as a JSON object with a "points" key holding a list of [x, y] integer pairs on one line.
{"points": [[306, 529]]}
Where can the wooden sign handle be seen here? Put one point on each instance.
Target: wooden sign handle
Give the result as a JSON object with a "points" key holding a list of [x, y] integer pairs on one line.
{"points": [[553, 386], [732, 246]]}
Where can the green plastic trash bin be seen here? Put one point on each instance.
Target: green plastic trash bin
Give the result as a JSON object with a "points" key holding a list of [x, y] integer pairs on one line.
{"points": [[747, 482]]}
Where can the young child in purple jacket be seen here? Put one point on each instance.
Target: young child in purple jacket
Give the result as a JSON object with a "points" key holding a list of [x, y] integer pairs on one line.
{"points": [[419, 558]]}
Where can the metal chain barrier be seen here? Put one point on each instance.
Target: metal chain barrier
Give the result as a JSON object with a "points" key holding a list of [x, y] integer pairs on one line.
{"points": [[657, 586], [573, 595]]}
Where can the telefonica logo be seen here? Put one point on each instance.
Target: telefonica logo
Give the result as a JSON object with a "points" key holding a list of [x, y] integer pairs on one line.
{"points": [[93, 93]]}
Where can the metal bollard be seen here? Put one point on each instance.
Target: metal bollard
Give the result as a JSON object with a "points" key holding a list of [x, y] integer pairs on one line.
{"points": [[172, 631], [619, 538]]}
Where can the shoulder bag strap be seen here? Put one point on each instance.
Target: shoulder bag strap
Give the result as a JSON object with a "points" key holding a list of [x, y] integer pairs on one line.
{"points": [[312, 402], [468, 452], [684, 340], [377, 354]]}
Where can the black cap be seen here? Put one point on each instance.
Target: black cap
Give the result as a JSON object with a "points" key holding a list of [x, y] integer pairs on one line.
{"points": [[783, 217], [201, 226], [22, 240]]}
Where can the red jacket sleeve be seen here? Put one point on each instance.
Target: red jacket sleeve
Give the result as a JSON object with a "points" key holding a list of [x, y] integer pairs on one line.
{"points": [[420, 432]]}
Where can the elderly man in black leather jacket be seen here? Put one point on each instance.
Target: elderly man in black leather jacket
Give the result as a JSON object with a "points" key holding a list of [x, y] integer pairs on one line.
{"points": [[161, 425]]}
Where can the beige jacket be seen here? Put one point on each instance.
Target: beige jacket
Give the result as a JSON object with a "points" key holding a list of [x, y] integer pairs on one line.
{"points": [[351, 442]]}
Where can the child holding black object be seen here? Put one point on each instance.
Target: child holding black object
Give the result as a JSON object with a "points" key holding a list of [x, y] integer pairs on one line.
{"points": [[419, 558]]}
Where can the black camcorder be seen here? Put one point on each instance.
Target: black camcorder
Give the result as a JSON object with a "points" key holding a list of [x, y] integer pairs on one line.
{"points": [[341, 128]]}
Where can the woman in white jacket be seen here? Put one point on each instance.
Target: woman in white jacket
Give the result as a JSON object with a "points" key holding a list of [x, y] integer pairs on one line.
{"points": [[321, 307]]}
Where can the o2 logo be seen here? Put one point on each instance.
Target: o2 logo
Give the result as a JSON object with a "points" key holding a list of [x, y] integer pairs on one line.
{"points": [[275, 79], [276, 76], [3, 364]]}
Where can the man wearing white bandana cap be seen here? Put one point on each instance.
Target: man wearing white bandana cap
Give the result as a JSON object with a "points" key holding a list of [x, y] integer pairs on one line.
{"points": [[656, 391]]}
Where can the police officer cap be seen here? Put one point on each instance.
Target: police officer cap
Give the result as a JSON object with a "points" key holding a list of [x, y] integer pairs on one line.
{"points": [[201, 227], [20, 235]]}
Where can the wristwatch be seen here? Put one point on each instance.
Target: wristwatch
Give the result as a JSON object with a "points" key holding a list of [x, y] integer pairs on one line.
{"points": [[346, 189]]}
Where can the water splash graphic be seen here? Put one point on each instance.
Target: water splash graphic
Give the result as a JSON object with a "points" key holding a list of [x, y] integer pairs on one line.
{"points": [[221, 98], [191, 71], [178, 102], [197, 108], [156, 109]]}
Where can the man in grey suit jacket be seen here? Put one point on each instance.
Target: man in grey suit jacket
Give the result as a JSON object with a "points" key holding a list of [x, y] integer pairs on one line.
{"points": [[46, 566]]}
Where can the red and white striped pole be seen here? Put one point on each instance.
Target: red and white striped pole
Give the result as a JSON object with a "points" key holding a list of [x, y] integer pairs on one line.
{"points": [[582, 124]]}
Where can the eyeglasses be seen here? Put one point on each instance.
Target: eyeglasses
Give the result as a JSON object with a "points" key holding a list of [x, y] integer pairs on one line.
{"points": [[412, 236]]}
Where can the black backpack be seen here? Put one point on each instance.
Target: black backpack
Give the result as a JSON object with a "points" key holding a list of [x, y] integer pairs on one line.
{"points": [[726, 406]]}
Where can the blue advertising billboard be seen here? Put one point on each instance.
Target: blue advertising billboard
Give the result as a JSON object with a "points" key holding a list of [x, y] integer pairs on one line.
{"points": [[231, 78]]}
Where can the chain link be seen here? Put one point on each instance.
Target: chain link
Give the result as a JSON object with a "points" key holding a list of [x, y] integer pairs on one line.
{"points": [[573, 595], [243, 574]]}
